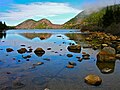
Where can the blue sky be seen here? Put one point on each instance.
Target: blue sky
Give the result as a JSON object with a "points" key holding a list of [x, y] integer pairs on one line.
{"points": [[14, 12]]}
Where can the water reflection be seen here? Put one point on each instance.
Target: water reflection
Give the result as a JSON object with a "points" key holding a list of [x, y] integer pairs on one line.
{"points": [[2, 34], [41, 36], [55, 46], [49, 37], [106, 67]]}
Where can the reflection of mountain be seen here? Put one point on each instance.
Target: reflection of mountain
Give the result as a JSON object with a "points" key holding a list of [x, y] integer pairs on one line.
{"points": [[34, 35], [76, 21]]}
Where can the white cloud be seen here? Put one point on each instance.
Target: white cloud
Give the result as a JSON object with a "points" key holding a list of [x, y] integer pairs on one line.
{"points": [[89, 7], [39, 9]]}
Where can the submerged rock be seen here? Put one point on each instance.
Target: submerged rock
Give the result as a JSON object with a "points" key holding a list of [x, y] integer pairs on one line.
{"points": [[70, 66], [37, 64], [107, 70], [30, 50], [93, 80], [69, 55], [9, 50], [25, 57], [17, 84], [48, 48], [74, 48], [72, 63], [80, 59], [7, 88], [22, 50], [47, 59], [41, 81], [85, 56], [106, 67], [22, 45], [39, 52]]}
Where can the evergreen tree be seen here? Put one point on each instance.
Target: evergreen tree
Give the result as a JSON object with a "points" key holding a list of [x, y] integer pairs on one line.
{"points": [[108, 17], [3, 26]]}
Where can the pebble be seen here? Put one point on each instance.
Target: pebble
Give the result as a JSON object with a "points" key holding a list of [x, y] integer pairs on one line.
{"points": [[70, 66], [48, 48]]}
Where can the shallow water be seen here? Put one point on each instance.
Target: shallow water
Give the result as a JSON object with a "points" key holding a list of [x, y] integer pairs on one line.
{"points": [[53, 74]]}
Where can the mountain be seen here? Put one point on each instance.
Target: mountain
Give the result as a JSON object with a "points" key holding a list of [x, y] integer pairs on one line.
{"points": [[41, 24], [76, 20], [106, 19]]}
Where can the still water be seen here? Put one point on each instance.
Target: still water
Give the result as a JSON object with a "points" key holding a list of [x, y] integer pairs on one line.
{"points": [[53, 74]]}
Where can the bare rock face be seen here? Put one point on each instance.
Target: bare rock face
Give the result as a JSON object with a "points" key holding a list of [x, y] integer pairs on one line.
{"points": [[28, 24], [22, 50], [9, 50], [39, 52], [106, 54], [74, 48], [93, 80]]}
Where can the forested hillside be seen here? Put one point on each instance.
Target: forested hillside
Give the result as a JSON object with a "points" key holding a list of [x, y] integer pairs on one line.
{"points": [[106, 19]]}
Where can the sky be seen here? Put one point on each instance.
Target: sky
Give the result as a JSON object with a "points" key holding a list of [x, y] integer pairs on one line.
{"points": [[14, 12]]}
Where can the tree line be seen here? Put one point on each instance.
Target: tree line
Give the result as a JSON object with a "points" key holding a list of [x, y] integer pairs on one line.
{"points": [[3, 26], [112, 15]]}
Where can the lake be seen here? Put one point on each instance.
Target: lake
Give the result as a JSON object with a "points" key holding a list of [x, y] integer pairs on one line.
{"points": [[53, 74]]}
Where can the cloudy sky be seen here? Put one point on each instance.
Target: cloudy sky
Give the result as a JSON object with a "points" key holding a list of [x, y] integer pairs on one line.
{"points": [[14, 12]]}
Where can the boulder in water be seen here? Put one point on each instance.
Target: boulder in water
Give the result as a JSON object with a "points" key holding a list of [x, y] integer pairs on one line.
{"points": [[9, 50], [39, 52], [93, 80], [22, 50], [74, 48]]}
